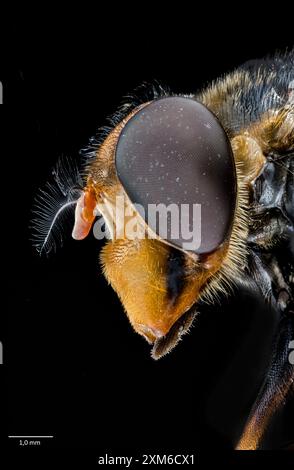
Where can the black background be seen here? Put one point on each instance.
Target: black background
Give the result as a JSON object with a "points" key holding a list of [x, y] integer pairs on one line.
{"points": [[76, 369]]}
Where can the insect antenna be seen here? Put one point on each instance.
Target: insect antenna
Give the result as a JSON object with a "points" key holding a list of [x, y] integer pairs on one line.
{"points": [[54, 204]]}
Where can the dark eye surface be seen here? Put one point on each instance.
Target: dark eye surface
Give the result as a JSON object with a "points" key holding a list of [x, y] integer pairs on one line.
{"points": [[175, 151]]}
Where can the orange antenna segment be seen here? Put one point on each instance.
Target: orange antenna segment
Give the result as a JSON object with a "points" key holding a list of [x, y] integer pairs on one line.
{"points": [[84, 214]]}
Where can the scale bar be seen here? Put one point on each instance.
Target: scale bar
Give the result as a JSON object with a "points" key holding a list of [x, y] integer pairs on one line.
{"points": [[30, 437]]}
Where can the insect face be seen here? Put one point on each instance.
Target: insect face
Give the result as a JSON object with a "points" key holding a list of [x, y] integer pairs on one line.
{"points": [[171, 152]]}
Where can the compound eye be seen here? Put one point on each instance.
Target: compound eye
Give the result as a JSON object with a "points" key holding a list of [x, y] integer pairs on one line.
{"points": [[175, 151]]}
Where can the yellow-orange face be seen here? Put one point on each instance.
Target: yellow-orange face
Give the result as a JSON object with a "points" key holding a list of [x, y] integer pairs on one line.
{"points": [[157, 281]]}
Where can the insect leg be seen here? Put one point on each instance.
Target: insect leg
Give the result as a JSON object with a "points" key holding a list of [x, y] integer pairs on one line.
{"points": [[279, 378], [279, 382]]}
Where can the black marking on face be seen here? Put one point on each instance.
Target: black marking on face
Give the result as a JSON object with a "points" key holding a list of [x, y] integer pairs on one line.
{"points": [[175, 274], [175, 151]]}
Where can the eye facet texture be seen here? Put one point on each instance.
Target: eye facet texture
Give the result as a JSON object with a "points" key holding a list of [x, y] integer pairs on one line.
{"points": [[175, 151]]}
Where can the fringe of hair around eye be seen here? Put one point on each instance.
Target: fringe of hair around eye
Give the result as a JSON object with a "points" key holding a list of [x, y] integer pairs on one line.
{"points": [[235, 261]]}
